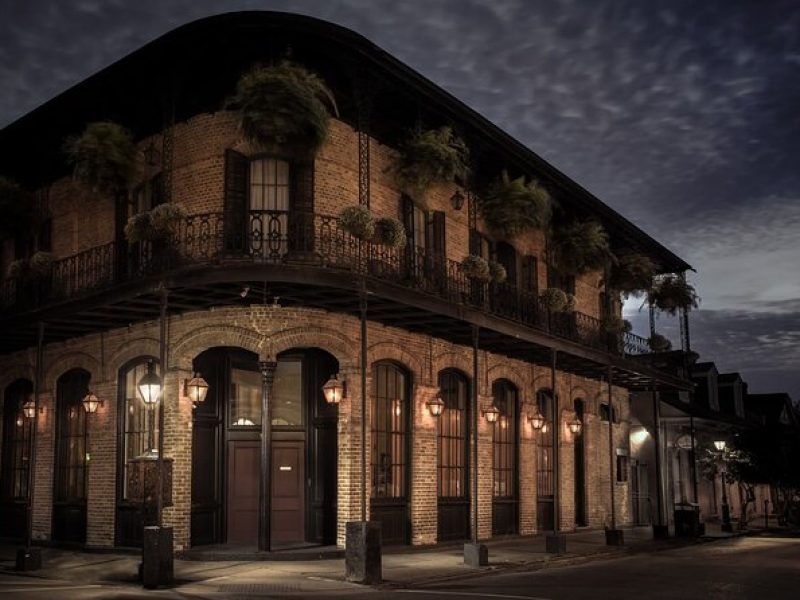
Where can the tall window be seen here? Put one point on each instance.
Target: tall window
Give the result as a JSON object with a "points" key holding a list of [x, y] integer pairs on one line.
{"points": [[16, 441], [287, 391], [452, 425], [71, 457], [245, 398], [504, 440], [544, 458], [140, 427], [269, 206], [389, 418]]}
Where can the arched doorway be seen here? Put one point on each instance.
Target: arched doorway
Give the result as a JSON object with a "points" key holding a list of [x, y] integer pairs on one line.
{"points": [[16, 453], [389, 462], [70, 465], [505, 450], [226, 450], [580, 466], [545, 520], [453, 457]]}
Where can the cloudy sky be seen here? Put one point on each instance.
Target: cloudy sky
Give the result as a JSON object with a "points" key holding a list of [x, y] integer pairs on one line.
{"points": [[682, 115]]}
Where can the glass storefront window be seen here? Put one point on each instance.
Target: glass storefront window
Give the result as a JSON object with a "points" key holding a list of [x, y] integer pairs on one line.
{"points": [[245, 398]]}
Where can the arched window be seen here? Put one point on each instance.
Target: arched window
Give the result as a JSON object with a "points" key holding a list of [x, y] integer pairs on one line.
{"points": [[389, 460], [138, 424], [580, 465], [544, 462], [504, 458], [452, 432]]}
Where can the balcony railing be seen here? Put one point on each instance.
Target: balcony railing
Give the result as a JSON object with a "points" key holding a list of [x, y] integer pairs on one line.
{"points": [[280, 237]]}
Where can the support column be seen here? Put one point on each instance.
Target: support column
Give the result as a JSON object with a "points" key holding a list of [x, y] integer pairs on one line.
{"points": [[556, 543], [267, 368], [178, 447], [614, 536], [424, 508], [102, 450], [660, 528], [475, 553]]}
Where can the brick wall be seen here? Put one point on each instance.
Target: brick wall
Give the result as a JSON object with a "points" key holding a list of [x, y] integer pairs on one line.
{"points": [[268, 331]]}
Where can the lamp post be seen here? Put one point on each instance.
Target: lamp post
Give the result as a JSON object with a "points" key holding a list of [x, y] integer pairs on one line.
{"points": [[726, 509]]}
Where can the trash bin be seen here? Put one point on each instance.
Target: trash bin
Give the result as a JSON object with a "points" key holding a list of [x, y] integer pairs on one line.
{"points": [[687, 520]]}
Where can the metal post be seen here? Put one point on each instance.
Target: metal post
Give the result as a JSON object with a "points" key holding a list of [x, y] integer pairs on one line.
{"points": [[726, 509], [37, 386], [363, 311], [556, 436], [163, 362], [693, 458], [659, 528], [612, 483], [475, 410], [267, 368]]}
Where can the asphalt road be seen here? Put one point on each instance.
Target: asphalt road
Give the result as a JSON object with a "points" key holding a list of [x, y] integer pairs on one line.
{"points": [[757, 568]]}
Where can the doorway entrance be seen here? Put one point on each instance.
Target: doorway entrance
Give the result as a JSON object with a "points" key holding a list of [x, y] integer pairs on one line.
{"points": [[226, 450]]}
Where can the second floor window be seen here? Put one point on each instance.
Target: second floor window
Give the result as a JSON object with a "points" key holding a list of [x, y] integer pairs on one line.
{"points": [[269, 185]]}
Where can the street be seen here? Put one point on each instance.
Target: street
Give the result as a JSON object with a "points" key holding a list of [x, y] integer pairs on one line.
{"points": [[763, 568]]}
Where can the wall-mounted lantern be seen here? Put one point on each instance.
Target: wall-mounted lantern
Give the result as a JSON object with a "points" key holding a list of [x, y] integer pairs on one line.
{"points": [[29, 408], [91, 402], [436, 406], [491, 414], [720, 445], [195, 389], [334, 390], [150, 386], [537, 420], [457, 200], [575, 425]]}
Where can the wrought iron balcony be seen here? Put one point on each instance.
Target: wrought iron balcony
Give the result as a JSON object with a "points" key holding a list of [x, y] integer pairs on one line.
{"points": [[292, 238]]}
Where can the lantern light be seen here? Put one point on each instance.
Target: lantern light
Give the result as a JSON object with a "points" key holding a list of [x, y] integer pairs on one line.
{"points": [[436, 406], [575, 426], [195, 389], [334, 390], [29, 408], [720, 445], [150, 386], [457, 200], [91, 402], [491, 414], [537, 420]]}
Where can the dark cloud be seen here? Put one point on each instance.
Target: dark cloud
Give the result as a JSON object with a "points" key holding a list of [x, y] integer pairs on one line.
{"points": [[680, 114]]}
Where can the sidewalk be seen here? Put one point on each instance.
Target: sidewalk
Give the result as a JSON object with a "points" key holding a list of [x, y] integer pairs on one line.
{"points": [[402, 567]]}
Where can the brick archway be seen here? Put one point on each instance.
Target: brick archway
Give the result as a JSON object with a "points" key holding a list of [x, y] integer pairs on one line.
{"points": [[66, 362]]}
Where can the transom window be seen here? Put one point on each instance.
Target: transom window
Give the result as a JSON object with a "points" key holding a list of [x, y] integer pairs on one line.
{"points": [[389, 417], [452, 426]]}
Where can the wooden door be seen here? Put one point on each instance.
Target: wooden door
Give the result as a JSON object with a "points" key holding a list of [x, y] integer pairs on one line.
{"points": [[288, 501], [244, 467]]}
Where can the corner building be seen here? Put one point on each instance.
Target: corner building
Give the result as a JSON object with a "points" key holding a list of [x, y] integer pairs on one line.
{"points": [[292, 298]]}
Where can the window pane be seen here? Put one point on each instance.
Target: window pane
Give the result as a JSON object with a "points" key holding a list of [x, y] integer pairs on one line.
{"points": [[388, 458], [140, 420], [245, 398], [287, 408]]}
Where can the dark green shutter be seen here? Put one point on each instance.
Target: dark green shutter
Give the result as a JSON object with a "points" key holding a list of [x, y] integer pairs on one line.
{"points": [[301, 206], [235, 208]]}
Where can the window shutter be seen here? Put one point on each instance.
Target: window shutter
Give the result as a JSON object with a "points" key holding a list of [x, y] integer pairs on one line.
{"points": [[438, 240], [407, 208], [235, 201], [301, 206], [530, 274]]}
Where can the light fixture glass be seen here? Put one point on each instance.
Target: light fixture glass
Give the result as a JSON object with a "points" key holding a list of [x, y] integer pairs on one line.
{"points": [[536, 419], [491, 414], [457, 200], [719, 445], [436, 406], [91, 402], [196, 389], [150, 386], [575, 426], [29, 408], [333, 390]]}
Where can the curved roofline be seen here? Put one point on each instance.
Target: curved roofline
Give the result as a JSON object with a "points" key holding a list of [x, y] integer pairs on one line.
{"points": [[381, 59]]}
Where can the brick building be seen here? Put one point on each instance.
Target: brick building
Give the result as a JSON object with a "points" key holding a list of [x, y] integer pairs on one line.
{"points": [[267, 316]]}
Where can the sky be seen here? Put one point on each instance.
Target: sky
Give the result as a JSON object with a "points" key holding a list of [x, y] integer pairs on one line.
{"points": [[684, 116]]}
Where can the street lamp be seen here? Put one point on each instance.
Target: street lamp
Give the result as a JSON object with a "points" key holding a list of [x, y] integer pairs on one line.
{"points": [[29, 408], [150, 386], [726, 509]]}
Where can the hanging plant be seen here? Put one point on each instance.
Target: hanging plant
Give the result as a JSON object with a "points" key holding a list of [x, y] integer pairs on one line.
{"points": [[555, 299], [671, 293], [18, 208], [571, 303], [616, 325], [658, 343], [475, 268], [17, 269], [512, 206], [497, 272], [631, 273], [581, 246], [41, 264], [283, 105], [103, 157], [165, 218], [357, 221], [430, 157], [139, 228], [390, 232]]}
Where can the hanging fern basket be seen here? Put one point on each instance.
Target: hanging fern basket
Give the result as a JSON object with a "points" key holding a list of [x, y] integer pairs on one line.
{"points": [[475, 268], [631, 273], [390, 232], [284, 106], [658, 343], [427, 158], [103, 157], [513, 206], [673, 293], [358, 222], [580, 247]]}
